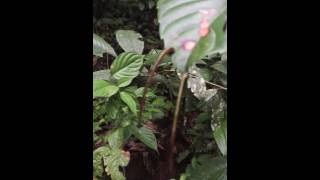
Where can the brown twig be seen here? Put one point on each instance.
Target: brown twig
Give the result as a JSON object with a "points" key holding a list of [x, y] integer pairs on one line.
{"points": [[184, 77]]}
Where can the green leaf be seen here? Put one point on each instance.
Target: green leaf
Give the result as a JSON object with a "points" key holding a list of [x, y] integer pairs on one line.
{"points": [[203, 47], [102, 88], [98, 160], [153, 55], [145, 135], [206, 74], [221, 35], [123, 82], [220, 135], [129, 41], [100, 46], [128, 99], [218, 29], [112, 159], [113, 107], [185, 26], [126, 65], [203, 117], [220, 66], [139, 92], [102, 75], [117, 138], [206, 167]]}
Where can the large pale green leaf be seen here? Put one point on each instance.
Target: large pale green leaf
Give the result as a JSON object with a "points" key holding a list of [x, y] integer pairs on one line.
{"points": [[126, 65], [102, 88], [100, 46], [102, 75], [128, 99], [220, 135], [185, 26], [145, 135], [206, 167], [129, 41]]}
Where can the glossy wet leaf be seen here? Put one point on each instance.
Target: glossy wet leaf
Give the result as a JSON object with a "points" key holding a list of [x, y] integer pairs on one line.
{"points": [[126, 65], [102, 88], [100, 46], [130, 41], [146, 136], [123, 82], [185, 26]]}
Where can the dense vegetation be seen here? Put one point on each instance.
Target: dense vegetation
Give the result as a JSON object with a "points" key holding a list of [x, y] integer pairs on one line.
{"points": [[160, 89]]}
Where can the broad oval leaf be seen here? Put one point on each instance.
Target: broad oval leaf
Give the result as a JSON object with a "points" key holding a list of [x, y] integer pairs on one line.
{"points": [[128, 99], [100, 46], [186, 26], [126, 65], [129, 41], [146, 136], [102, 88]]}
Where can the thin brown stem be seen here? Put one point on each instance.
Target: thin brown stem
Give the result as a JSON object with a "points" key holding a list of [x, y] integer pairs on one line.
{"points": [[184, 77]]}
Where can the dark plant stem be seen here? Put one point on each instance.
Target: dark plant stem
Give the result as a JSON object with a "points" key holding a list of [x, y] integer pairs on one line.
{"points": [[184, 77], [151, 74]]}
